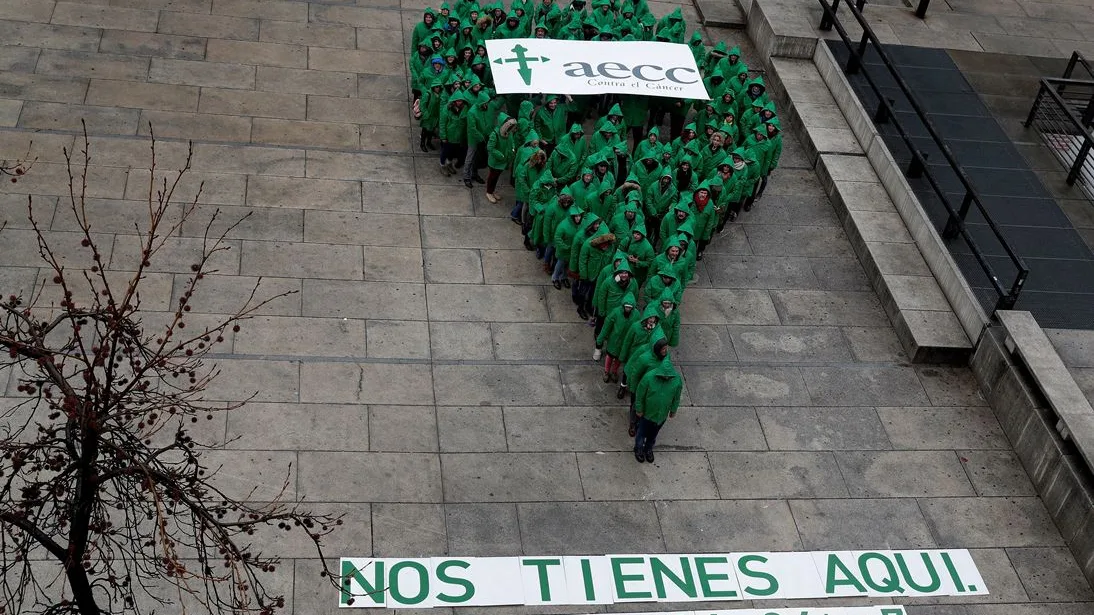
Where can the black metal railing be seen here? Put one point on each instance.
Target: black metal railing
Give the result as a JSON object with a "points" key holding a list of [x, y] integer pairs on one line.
{"points": [[1063, 114], [918, 167]]}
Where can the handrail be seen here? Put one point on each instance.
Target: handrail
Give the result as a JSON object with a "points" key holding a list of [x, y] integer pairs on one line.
{"points": [[955, 225], [1081, 126], [1078, 59]]}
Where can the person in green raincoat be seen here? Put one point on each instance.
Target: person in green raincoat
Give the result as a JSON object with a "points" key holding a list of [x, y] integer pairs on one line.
{"points": [[423, 29], [698, 50], [554, 214], [713, 57], [529, 164], [479, 126], [704, 218], [453, 132], [589, 250], [775, 151], [525, 120], [611, 336], [670, 224], [656, 399], [639, 253], [639, 336], [640, 359], [500, 151], [543, 192], [614, 282], [567, 229], [649, 146], [602, 16], [430, 107], [628, 217], [581, 186], [603, 183], [568, 156], [659, 199], [670, 317], [550, 123], [662, 278], [511, 28], [712, 155], [756, 152], [647, 168], [668, 260]]}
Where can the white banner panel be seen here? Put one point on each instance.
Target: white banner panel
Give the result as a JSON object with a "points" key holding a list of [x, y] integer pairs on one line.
{"points": [[548, 66], [707, 577]]}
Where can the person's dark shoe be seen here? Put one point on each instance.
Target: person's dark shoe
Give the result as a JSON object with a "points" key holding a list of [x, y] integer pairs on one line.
{"points": [[423, 147], [619, 395], [639, 456], [699, 256], [565, 282], [583, 314], [632, 429], [556, 284], [649, 456], [478, 180], [467, 182], [607, 377], [514, 220], [748, 206]]}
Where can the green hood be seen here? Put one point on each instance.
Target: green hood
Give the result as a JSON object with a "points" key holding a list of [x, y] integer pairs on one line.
{"points": [[526, 109], [696, 40], [666, 295], [615, 110], [576, 129], [719, 49], [628, 299], [532, 136], [651, 309]]}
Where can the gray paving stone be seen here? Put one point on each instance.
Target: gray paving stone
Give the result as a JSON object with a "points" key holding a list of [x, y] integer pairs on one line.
{"points": [[785, 240], [1049, 574], [319, 36], [187, 72], [731, 242], [387, 197], [370, 477], [488, 530], [402, 429], [266, 9], [471, 429], [460, 341], [176, 255], [162, 96], [496, 303], [356, 529], [58, 116], [713, 429], [304, 133], [302, 260], [592, 528], [469, 385], [584, 386], [262, 54], [458, 266], [759, 272], [253, 103], [389, 264], [1075, 608], [541, 341], [301, 336], [253, 476], [840, 274], [904, 474], [996, 473], [19, 59], [299, 193], [708, 306], [990, 522], [570, 428], [288, 426], [863, 385], [705, 343], [950, 386], [384, 87], [203, 126], [42, 87], [149, 44], [475, 233], [823, 429], [397, 339], [943, 428], [746, 386], [511, 477], [408, 530], [366, 383], [861, 524], [809, 211], [64, 63], [304, 81], [241, 380], [212, 26], [377, 300], [789, 344], [673, 476], [346, 165], [49, 36], [875, 344], [695, 527], [817, 307], [777, 475], [513, 267], [360, 110]]}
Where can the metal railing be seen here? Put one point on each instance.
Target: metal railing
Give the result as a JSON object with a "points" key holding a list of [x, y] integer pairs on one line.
{"points": [[1063, 114], [918, 168]]}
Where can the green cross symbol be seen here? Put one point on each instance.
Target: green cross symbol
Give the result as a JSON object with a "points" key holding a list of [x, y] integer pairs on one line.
{"points": [[522, 61]]}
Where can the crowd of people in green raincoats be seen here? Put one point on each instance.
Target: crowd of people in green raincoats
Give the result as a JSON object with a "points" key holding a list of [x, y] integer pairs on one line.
{"points": [[619, 214]]}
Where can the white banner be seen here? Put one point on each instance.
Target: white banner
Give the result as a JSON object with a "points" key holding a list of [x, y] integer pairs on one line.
{"points": [[718, 577], [548, 66]]}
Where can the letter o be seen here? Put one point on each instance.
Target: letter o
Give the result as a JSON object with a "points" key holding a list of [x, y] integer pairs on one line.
{"points": [[423, 584]]}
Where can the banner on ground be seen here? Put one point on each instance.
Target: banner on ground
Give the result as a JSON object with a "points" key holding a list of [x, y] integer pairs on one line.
{"points": [[548, 66], [586, 580]]}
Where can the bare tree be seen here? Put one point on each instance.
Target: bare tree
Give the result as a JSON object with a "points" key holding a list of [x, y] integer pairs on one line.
{"points": [[106, 503]]}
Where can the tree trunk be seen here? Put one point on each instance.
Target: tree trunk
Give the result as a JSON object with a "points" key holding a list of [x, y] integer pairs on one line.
{"points": [[81, 588]]}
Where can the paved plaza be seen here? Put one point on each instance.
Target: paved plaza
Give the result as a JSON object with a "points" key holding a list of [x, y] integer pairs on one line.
{"points": [[426, 379]]}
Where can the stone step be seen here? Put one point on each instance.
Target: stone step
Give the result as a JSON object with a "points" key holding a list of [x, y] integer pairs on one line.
{"points": [[722, 13]]}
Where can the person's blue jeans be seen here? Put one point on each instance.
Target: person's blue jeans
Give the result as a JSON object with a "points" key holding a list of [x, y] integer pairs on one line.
{"points": [[548, 253], [515, 212], [560, 270], [646, 436]]}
